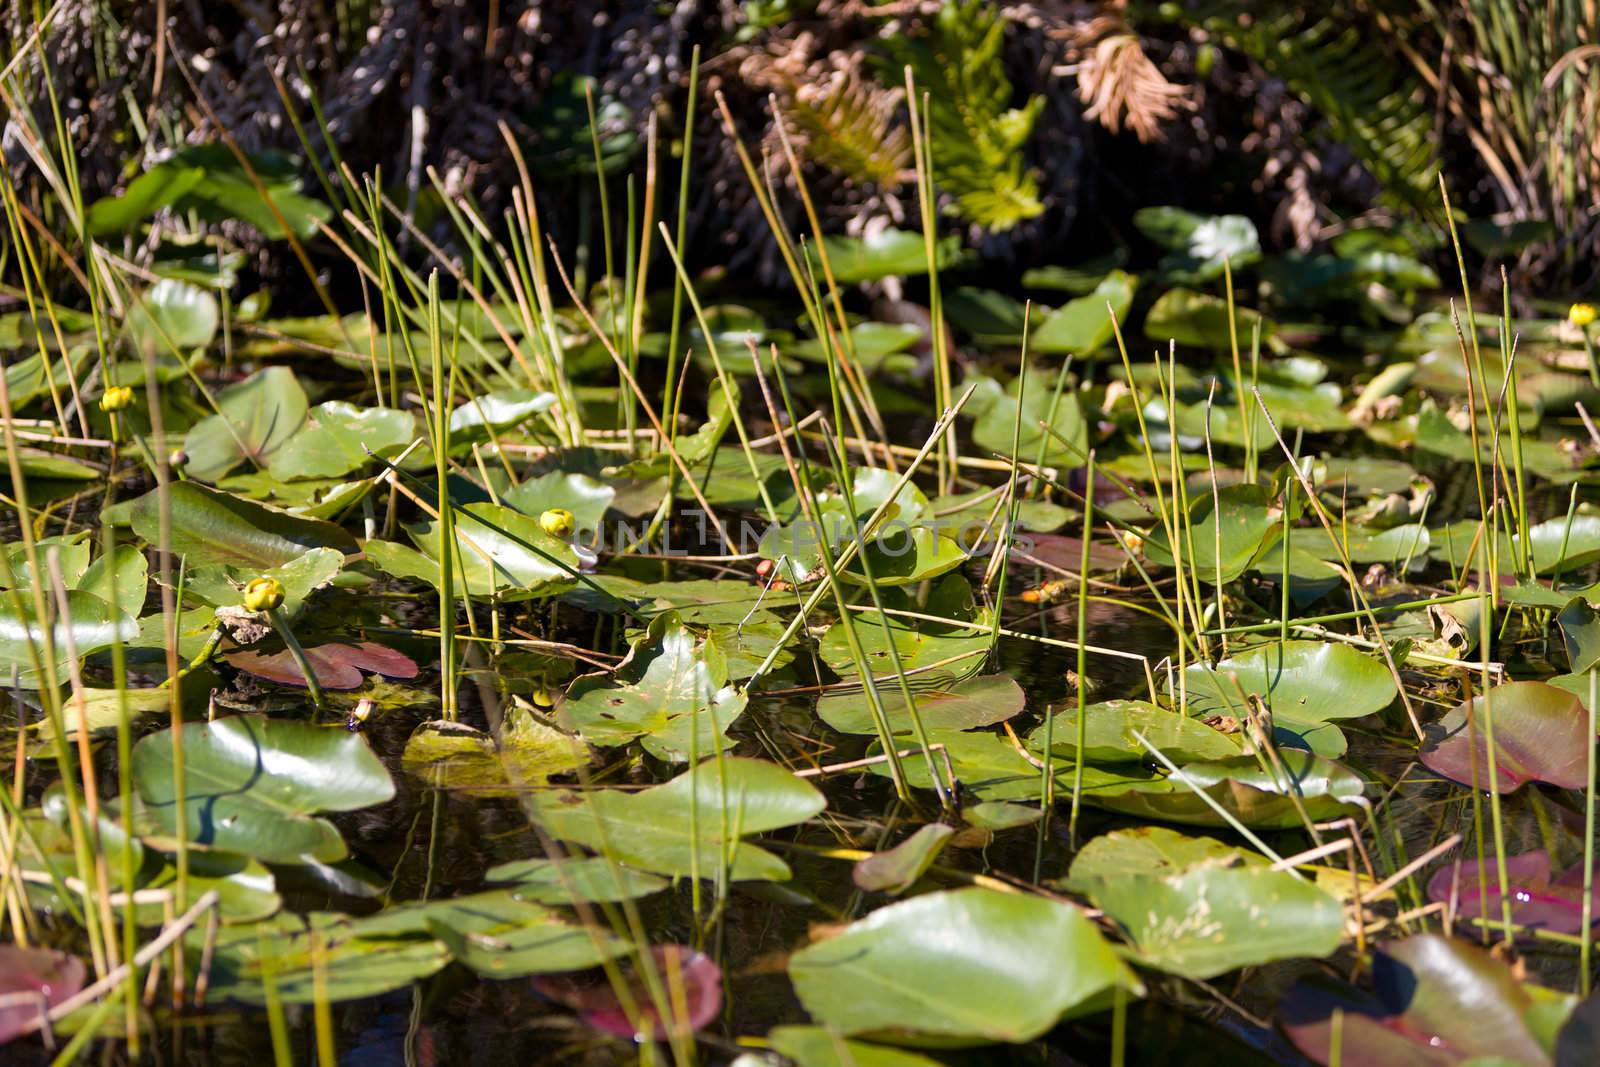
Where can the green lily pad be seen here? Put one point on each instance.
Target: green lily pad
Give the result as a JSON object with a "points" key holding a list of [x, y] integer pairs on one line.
{"points": [[964, 706], [996, 412], [320, 957], [173, 315], [88, 625], [209, 526], [253, 786], [453, 755], [676, 828], [1200, 320], [671, 688], [256, 417], [1211, 919], [1229, 532], [1083, 326], [1199, 246], [580, 494], [814, 1046], [887, 253], [337, 438], [575, 879], [1304, 683], [497, 550], [1110, 728], [897, 869], [970, 965], [497, 933], [1251, 795]]}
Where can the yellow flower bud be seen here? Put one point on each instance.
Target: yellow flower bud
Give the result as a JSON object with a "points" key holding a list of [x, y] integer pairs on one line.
{"points": [[1581, 315], [116, 398], [263, 594], [557, 522]]}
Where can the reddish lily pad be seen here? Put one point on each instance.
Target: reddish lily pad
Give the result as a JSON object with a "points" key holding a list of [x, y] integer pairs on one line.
{"points": [[1539, 736], [1437, 1002], [1537, 901], [33, 981], [338, 666], [691, 981]]}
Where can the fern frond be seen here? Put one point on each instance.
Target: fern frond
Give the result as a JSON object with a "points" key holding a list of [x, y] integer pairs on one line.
{"points": [[1377, 109], [847, 123], [977, 137]]}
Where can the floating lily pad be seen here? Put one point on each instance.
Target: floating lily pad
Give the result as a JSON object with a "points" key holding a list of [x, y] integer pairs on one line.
{"points": [[897, 869], [580, 494], [1436, 1002], [1083, 325], [1537, 900], [453, 755], [694, 980], [1225, 539], [256, 417], [1211, 919], [32, 981], [1255, 797], [215, 527], [574, 879], [253, 786], [677, 828], [967, 705], [497, 550], [814, 1046], [337, 666], [997, 415], [1541, 733], [88, 625], [970, 965], [1304, 683], [672, 692], [1110, 729], [339, 438]]}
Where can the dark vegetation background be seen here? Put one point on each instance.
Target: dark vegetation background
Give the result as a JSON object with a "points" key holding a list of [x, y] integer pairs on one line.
{"points": [[1052, 121]]}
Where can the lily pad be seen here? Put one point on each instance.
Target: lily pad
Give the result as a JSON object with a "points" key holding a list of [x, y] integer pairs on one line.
{"points": [[1212, 919], [964, 706], [209, 526], [337, 666], [694, 982], [497, 550], [1537, 901], [1437, 1002], [1110, 728], [815, 1046], [574, 879], [971, 965], [88, 625], [1541, 733], [338, 438], [253, 786], [256, 417], [1226, 539], [677, 829], [32, 981], [453, 755], [1304, 683], [672, 692], [897, 869], [580, 494]]}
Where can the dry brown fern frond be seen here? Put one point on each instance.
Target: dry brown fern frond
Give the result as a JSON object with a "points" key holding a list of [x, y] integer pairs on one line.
{"points": [[1119, 83], [839, 117]]}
